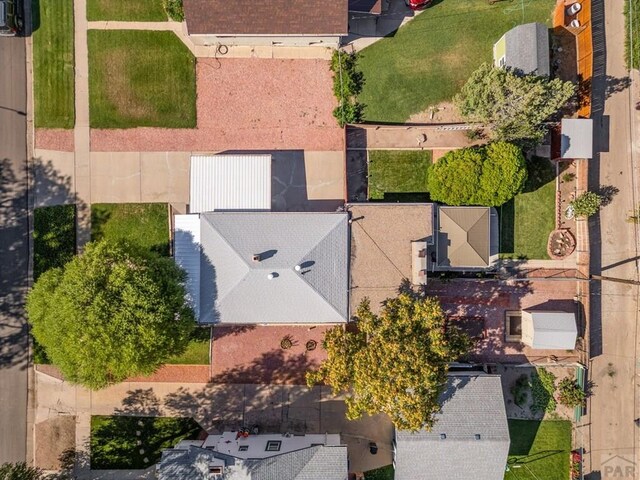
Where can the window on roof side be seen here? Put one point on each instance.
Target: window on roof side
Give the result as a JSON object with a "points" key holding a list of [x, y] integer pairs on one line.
{"points": [[273, 445]]}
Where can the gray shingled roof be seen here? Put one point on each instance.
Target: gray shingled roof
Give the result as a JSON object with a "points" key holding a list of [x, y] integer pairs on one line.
{"points": [[235, 289], [527, 49], [464, 237], [471, 405], [313, 463]]}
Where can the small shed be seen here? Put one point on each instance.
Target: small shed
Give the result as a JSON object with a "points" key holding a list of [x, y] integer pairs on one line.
{"points": [[576, 140], [549, 330], [230, 183], [524, 48]]}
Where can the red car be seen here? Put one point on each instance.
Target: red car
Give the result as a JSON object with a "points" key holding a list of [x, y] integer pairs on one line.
{"points": [[417, 4]]}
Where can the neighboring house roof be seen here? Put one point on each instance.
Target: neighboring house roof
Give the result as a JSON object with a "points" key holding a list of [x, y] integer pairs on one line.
{"points": [[475, 445], [381, 247], [527, 49], [277, 17], [234, 289], [464, 237], [576, 139], [365, 6], [230, 182], [317, 462], [549, 330]]}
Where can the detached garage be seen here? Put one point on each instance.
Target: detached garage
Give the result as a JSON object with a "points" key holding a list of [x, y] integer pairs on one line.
{"points": [[549, 330]]}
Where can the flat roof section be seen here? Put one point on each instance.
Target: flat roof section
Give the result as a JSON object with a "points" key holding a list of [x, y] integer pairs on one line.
{"points": [[576, 139], [381, 255]]}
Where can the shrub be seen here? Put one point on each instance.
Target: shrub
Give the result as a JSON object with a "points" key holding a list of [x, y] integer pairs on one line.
{"points": [[174, 9], [520, 389], [542, 389], [568, 177], [347, 85], [570, 393], [490, 175], [586, 204]]}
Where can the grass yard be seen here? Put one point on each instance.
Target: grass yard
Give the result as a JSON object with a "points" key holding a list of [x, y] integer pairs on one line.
{"points": [[429, 59], [140, 79], [382, 473], [539, 450], [145, 224], [114, 440], [528, 219], [127, 11], [197, 352], [53, 64], [399, 175], [632, 55]]}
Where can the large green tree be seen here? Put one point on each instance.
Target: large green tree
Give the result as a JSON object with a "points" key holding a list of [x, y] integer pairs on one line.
{"points": [[489, 175], [395, 362], [112, 312], [512, 105]]}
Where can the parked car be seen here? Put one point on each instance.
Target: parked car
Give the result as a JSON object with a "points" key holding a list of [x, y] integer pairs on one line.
{"points": [[10, 18], [418, 4]]}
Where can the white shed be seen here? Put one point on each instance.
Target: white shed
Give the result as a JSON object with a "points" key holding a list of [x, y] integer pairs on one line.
{"points": [[549, 330], [230, 182], [576, 140]]}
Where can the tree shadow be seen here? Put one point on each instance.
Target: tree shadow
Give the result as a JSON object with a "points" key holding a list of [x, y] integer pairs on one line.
{"points": [[140, 402], [607, 192]]}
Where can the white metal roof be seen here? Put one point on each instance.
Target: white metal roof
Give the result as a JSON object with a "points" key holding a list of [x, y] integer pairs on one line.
{"points": [[576, 140], [187, 251], [549, 330], [230, 182]]}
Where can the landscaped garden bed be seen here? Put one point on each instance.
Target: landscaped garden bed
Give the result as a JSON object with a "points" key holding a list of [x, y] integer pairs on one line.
{"points": [[427, 61], [128, 443], [528, 219], [145, 224], [539, 449], [140, 79], [399, 175], [53, 64]]}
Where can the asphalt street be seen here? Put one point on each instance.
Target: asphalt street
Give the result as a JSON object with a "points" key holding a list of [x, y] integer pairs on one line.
{"points": [[14, 250]]}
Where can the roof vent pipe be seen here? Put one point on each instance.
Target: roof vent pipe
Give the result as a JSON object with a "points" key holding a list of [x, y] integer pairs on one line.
{"points": [[297, 268], [271, 276], [257, 257]]}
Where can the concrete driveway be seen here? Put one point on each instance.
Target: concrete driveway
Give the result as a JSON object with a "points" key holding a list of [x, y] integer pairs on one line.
{"points": [[273, 408]]}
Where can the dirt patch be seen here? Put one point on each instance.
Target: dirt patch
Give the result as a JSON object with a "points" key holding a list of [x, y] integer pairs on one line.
{"points": [[444, 112], [58, 139], [438, 153], [510, 376], [53, 438]]}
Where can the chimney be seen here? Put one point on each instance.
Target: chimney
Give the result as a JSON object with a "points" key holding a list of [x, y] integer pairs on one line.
{"points": [[257, 257]]}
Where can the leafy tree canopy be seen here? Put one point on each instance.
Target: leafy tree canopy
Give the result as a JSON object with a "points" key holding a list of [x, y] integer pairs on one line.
{"points": [[490, 175], [513, 105], [395, 363], [112, 312]]}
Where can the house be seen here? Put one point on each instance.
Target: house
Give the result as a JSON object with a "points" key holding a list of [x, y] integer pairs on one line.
{"points": [[470, 438], [524, 48], [265, 267], [466, 238], [240, 456], [262, 23], [388, 246]]}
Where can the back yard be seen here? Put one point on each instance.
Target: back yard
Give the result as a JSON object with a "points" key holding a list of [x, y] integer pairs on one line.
{"points": [[428, 60], [539, 450], [528, 219], [399, 175]]}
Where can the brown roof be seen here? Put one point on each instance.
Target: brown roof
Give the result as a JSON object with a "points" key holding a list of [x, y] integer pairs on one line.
{"points": [[261, 17], [464, 237], [381, 257]]}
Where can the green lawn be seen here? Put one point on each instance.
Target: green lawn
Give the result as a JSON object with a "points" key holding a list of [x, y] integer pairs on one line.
{"points": [[429, 59], [632, 57], [382, 473], [399, 175], [539, 450], [197, 352], [145, 224], [54, 244], [114, 439], [53, 64], [527, 220], [127, 11], [140, 79]]}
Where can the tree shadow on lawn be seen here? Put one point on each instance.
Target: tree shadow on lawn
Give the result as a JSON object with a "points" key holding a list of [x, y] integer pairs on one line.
{"points": [[523, 434]]}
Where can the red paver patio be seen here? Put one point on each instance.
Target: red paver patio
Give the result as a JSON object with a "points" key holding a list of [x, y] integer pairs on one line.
{"points": [[247, 104], [491, 300], [54, 139], [252, 354]]}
